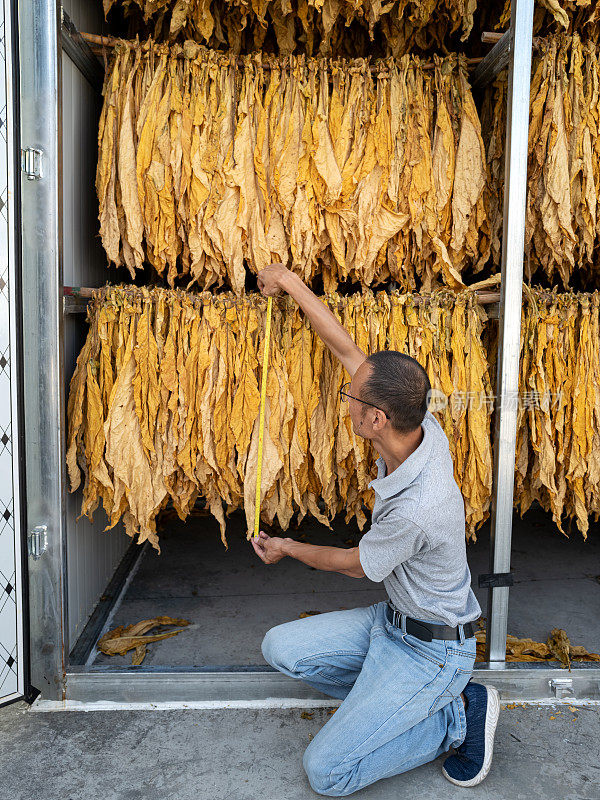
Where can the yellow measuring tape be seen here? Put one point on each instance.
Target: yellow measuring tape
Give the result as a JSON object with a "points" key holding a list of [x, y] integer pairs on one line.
{"points": [[261, 423]]}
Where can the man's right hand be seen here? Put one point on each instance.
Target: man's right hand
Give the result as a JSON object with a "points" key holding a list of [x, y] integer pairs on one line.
{"points": [[272, 279]]}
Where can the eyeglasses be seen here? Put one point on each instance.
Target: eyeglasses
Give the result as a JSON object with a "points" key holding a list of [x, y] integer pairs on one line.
{"points": [[351, 397]]}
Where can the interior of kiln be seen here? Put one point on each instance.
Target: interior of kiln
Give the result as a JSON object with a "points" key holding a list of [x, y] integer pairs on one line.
{"points": [[231, 598]]}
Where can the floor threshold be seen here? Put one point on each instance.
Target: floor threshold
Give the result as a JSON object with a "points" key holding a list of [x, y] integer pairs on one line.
{"points": [[152, 686]]}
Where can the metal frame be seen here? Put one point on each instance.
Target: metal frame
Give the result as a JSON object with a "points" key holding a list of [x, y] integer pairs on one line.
{"points": [[79, 52], [507, 383], [84, 649], [515, 681], [41, 231], [494, 62]]}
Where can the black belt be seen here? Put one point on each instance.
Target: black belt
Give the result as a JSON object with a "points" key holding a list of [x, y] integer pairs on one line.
{"points": [[426, 630]]}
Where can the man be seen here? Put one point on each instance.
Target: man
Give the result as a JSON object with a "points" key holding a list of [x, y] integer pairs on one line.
{"points": [[401, 668]]}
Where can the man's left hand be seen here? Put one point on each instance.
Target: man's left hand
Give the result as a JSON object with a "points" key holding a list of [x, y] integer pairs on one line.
{"points": [[269, 549]]}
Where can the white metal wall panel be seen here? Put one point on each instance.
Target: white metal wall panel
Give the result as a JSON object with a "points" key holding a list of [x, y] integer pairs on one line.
{"points": [[11, 595], [92, 554], [85, 14]]}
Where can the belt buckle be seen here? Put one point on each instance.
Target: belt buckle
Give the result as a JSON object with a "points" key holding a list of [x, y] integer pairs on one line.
{"points": [[393, 616]]}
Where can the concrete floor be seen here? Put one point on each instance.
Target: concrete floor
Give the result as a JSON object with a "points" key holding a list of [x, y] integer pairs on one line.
{"points": [[541, 751], [232, 598], [247, 755]]}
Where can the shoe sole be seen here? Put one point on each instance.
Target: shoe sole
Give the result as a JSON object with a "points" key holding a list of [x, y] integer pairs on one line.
{"points": [[491, 720]]}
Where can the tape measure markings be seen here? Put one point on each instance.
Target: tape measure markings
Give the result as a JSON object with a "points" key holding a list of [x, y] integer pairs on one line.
{"points": [[261, 423]]}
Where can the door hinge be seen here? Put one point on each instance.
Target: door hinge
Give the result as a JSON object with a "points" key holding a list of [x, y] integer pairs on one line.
{"points": [[31, 163], [37, 541]]}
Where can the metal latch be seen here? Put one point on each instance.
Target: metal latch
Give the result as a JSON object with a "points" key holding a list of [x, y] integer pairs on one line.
{"points": [[37, 541], [31, 163], [562, 687]]}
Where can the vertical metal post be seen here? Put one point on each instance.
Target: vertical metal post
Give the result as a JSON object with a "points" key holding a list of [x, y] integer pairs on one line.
{"points": [[507, 384], [41, 230]]}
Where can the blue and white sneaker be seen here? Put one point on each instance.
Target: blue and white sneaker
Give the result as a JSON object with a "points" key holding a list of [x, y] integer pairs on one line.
{"points": [[473, 758]]}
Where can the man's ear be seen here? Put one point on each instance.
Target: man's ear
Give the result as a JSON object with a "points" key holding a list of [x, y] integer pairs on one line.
{"points": [[379, 419]]}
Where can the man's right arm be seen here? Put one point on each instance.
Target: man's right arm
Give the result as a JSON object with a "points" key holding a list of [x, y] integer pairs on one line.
{"points": [[277, 277]]}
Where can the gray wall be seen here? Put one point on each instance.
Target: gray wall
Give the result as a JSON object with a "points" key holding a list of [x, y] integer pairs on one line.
{"points": [[92, 555]]}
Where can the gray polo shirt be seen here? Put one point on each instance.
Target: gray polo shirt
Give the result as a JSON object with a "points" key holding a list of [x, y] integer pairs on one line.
{"points": [[416, 543]]}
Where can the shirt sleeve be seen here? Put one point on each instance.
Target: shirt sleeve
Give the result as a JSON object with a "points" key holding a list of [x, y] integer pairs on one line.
{"points": [[390, 541]]}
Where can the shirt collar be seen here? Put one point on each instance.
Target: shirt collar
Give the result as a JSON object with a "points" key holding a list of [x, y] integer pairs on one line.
{"points": [[388, 485]]}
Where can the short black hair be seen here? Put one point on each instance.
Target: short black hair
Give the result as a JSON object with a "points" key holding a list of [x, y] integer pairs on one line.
{"points": [[398, 385]]}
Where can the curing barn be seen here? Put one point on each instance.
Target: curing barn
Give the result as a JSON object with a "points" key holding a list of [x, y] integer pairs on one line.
{"points": [[433, 177]]}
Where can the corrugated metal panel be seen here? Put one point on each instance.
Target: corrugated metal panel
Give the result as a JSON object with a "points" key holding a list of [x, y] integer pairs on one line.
{"points": [[92, 555]]}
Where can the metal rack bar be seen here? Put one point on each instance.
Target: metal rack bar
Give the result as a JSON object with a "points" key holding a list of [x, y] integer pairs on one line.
{"points": [[79, 51], [507, 382]]}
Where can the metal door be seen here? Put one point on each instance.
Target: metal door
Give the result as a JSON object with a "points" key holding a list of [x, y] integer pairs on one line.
{"points": [[41, 292], [12, 590]]}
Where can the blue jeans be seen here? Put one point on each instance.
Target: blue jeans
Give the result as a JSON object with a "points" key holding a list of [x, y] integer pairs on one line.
{"points": [[402, 705]]}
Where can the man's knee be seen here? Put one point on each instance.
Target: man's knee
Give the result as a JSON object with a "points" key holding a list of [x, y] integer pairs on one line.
{"points": [[276, 647], [318, 771], [324, 774]]}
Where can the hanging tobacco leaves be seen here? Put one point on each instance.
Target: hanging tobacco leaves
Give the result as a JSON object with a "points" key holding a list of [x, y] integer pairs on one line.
{"points": [[164, 404], [558, 421], [342, 171], [568, 16], [308, 26], [562, 234]]}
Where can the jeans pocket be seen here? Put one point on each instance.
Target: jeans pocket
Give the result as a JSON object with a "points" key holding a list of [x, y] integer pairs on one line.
{"points": [[433, 651], [459, 677], [467, 650]]}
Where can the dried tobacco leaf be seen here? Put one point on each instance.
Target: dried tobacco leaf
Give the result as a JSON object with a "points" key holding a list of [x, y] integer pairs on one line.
{"points": [[164, 404], [557, 648], [120, 640], [557, 420], [306, 24], [210, 166], [562, 232]]}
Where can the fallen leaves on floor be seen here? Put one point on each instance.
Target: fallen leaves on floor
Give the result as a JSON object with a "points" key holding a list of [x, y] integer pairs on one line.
{"points": [[132, 637], [557, 648], [305, 614], [307, 715]]}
